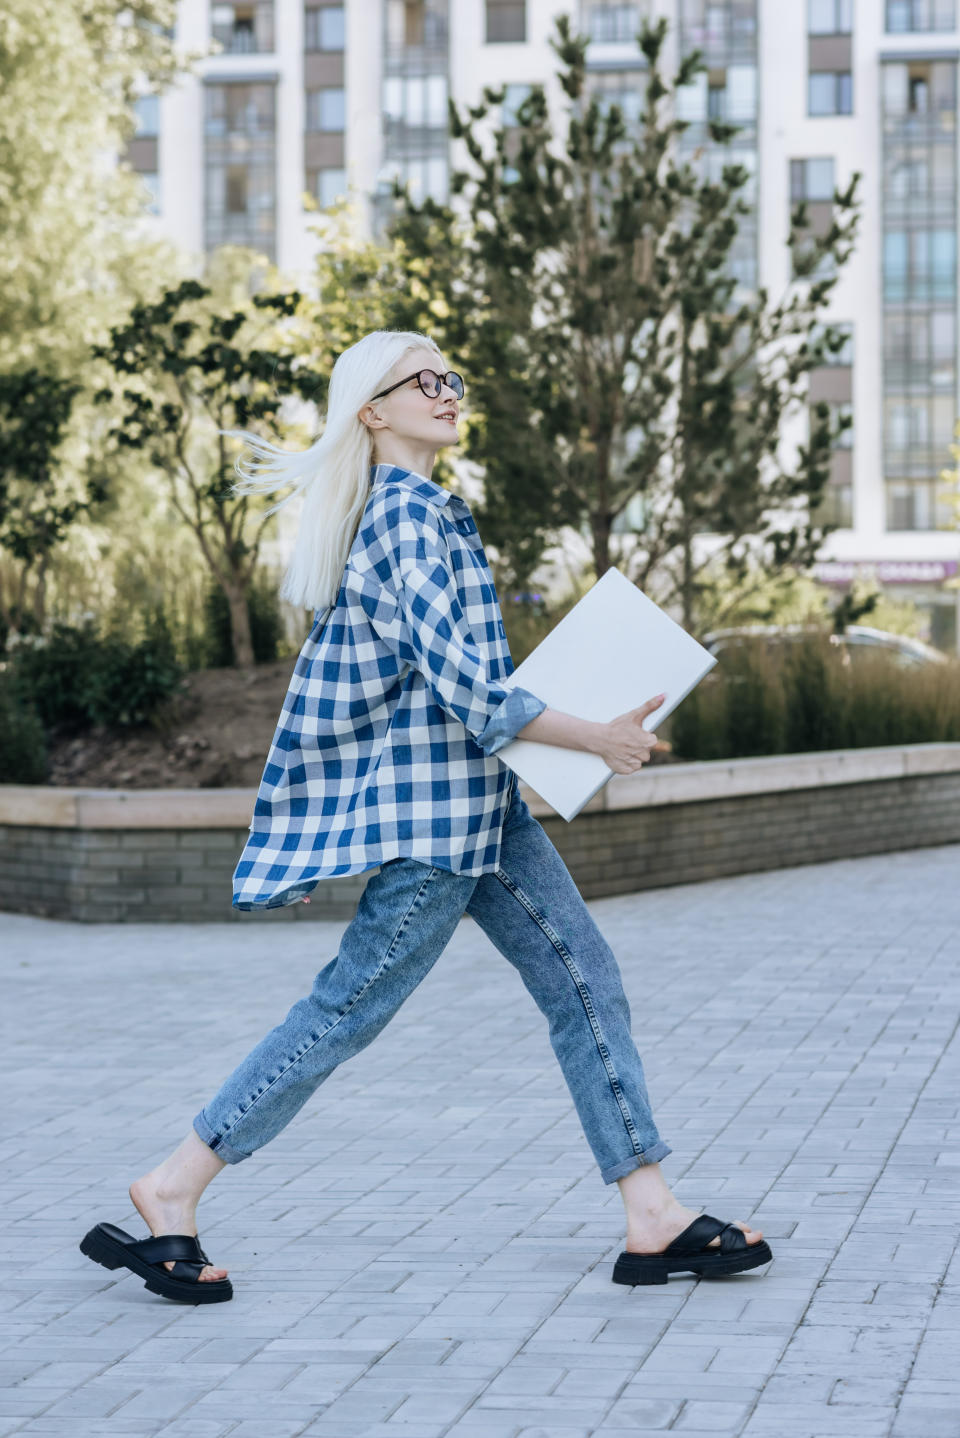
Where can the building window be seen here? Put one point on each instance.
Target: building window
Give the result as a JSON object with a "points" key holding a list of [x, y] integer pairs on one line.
{"points": [[812, 185], [919, 265], [911, 504], [830, 92], [425, 175], [726, 32], [327, 185], [240, 192], [724, 92], [921, 87], [719, 27], [906, 16], [612, 24], [147, 111], [243, 28], [844, 440], [811, 179], [326, 109], [920, 350], [506, 21], [323, 28], [513, 98], [829, 17], [152, 181], [919, 283], [835, 507], [412, 102], [413, 105], [416, 25], [843, 355], [621, 88]]}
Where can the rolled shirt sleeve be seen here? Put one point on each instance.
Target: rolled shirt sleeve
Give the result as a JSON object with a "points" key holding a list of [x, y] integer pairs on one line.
{"points": [[423, 622]]}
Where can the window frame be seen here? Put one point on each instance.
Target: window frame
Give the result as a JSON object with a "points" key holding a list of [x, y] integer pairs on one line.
{"points": [[313, 185], [912, 28], [492, 8], [153, 101], [838, 76], [313, 13], [840, 8], [312, 122]]}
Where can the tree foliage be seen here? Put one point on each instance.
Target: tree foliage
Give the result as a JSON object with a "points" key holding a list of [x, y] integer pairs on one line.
{"points": [[189, 365], [74, 255], [612, 365], [36, 508], [73, 248]]}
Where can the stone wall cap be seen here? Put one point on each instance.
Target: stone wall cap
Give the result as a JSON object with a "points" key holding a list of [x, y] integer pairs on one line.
{"points": [[42, 807], [53, 808]]}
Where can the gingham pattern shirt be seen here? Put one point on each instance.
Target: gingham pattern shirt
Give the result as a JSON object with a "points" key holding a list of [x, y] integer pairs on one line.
{"points": [[387, 739]]}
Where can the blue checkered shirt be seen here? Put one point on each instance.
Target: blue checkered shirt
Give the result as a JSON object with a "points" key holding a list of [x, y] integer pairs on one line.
{"points": [[387, 741]]}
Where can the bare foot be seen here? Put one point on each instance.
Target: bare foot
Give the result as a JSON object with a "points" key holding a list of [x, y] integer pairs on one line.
{"points": [[163, 1213], [652, 1233]]}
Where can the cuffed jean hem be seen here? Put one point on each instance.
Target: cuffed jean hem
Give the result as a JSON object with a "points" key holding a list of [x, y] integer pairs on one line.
{"points": [[219, 1145], [653, 1154]]}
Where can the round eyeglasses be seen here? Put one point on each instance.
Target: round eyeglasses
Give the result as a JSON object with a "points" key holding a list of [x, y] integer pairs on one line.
{"points": [[430, 382]]}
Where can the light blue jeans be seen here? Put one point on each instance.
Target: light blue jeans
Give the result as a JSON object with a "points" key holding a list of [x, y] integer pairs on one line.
{"points": [[531, 909]]}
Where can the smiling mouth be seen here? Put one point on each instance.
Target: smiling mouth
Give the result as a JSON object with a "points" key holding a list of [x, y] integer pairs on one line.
{"points": [[448, 418]]}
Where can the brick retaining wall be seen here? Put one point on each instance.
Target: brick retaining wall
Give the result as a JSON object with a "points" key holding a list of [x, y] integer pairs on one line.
{"points": [[166, 855]]}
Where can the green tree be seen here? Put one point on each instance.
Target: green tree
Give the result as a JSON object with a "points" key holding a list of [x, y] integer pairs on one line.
{"points": [[359, 285], [73, 247], [191, 364], [36, 508], [590, 299], [74, 254]]}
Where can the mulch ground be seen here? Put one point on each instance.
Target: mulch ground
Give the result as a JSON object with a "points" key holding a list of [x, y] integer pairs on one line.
{"points": [[214, 734]]}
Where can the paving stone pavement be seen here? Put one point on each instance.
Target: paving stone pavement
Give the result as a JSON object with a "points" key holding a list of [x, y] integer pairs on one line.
{"points": [[425, 1252]]}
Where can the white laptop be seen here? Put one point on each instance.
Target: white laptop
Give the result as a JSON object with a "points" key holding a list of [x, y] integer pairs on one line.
{"points": [[612, 652]]}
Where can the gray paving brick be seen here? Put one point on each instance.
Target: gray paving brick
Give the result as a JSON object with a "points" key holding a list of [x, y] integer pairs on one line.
{"points": [[426, 1249]]}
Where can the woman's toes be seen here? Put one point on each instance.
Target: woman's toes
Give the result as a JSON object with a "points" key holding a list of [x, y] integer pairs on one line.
{"points": [[207, 1274], [754, 1235]]}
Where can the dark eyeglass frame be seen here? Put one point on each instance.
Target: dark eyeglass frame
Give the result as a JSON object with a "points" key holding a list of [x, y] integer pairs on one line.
{"points": [[442, 380]]}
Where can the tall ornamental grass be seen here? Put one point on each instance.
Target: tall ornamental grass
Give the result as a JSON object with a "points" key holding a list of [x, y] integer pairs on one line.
{"points": [[808, 694]]}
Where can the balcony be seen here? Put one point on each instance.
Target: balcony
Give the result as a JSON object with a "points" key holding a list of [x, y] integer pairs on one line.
{"points": [[243, 29]]}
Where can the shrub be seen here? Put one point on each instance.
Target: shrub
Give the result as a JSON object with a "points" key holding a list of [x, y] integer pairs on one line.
{"points": [[23, 749], [74, 677], [811, 695]]}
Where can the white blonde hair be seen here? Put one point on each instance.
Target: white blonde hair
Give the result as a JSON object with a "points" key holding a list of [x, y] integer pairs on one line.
{"points": [[333, 475]]}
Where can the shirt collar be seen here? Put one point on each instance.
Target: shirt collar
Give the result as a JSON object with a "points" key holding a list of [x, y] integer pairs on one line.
{"points": [[419, 483]]}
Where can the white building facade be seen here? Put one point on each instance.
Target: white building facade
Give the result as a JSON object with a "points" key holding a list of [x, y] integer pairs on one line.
{"points": [[329, 95]]}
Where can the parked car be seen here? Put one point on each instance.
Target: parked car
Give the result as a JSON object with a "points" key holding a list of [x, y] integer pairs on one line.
{"points": [[858, 639]]}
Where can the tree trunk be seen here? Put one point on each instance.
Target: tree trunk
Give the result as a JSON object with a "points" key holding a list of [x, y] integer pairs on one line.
{"points": [[687, 579], [601, 544], [40, 593], [239, 625]]}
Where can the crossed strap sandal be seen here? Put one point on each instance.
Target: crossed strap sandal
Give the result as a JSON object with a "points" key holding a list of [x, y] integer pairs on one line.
{"points": [[113, 1248], [690, 1253]]}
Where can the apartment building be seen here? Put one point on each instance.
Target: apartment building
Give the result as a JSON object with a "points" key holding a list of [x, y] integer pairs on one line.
{"points": [[331, 96]]}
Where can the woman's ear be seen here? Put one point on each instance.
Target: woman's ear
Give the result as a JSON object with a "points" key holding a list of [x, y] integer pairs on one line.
{"points": [[369, 417]]}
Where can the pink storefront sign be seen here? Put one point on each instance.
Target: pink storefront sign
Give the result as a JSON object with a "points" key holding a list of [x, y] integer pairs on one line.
{"points": [[885, 571]]}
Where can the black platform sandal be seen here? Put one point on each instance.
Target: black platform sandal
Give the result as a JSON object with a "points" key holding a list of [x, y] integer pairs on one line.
{"points": [[112, 1247], [689, 1253]]}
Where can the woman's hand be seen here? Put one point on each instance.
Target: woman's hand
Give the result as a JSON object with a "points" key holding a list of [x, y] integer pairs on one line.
{"points": [[625, 745]]}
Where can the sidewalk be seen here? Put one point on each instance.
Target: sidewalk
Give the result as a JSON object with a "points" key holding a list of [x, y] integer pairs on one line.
{"points": [[425, 1252]]}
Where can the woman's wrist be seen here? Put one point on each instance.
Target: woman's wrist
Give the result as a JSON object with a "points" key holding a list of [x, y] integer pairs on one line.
{"points": [[567, 731]]}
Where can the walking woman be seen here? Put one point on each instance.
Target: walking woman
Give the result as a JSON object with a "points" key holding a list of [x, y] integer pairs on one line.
{"points": [[385, 756]]}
